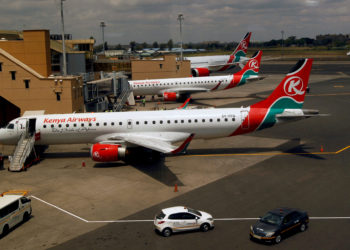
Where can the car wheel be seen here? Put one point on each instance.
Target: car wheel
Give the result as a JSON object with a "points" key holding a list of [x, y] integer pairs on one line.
{"points": [[278, 239], [25, 217], [166, 232], [5, 230], [302, 227], [205, 227]]}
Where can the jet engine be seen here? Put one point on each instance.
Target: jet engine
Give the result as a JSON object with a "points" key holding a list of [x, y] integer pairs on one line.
{"points": [[170, 96], [200, 72], [108, 152]]}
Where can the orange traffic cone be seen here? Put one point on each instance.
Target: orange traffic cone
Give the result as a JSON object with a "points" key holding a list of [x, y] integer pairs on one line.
{"points": [[175, 189], [321, 148]]}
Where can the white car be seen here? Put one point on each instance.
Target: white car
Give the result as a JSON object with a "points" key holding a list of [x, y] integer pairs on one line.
{"points": [[179, 219]]}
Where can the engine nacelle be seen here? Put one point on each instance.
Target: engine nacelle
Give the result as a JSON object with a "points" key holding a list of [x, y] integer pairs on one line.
{"points": [[170, 96], [200, 72], [107, 152]]}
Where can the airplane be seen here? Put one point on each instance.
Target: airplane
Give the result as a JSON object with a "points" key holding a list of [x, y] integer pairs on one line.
{"points": [[173, 89], [204, 65], [114, 135]]}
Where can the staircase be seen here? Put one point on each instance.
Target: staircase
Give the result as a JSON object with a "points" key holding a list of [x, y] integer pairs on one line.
{"points": [[124, 95], [24, 148]]}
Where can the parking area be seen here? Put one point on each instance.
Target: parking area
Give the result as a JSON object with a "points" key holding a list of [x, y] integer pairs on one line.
{"points": [[232, 178]]}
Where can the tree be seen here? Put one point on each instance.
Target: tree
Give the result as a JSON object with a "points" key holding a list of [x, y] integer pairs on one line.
{"points": [[155, 45], [132, 45], [170, 44]]}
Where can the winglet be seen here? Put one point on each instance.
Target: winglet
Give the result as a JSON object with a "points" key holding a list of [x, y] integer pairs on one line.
{"points": [[184, 145], [185, 104]]}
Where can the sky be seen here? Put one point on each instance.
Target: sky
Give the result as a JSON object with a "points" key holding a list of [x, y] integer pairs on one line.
{"points": [[156, 20]]}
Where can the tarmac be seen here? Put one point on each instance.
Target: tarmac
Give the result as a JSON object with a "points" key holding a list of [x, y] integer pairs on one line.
{"points": [[237, 179]]}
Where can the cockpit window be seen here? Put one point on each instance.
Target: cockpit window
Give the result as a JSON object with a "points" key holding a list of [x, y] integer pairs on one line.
{"points": [[10, 126]]}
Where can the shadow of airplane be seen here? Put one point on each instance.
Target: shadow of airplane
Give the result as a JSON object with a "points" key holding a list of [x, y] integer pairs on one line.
{"points": [[153, 164], [293, 147]]}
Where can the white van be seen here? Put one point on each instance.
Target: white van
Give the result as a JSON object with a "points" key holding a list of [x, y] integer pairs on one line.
{"points": [[14, 208]]}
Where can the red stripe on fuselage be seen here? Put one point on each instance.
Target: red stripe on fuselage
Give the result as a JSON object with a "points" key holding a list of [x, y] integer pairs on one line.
{"points": [[252, 121], [234, 82]]}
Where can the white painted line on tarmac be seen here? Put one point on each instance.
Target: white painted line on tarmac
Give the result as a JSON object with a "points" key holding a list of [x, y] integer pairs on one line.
{"points": [[47, 203], [118, 221], [236, 219], [329, 218], [133, 221]]}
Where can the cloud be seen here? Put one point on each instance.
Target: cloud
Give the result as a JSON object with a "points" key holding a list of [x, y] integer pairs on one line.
{"points": [[156, 20]]}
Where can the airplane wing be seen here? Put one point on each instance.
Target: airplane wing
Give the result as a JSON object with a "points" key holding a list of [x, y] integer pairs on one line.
{"points": [[161, 141], [185, 90]]}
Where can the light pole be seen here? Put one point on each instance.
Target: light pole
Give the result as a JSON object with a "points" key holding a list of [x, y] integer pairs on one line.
{"points": [[103, 25], [63, 42], [282, 33], [180, 18]]}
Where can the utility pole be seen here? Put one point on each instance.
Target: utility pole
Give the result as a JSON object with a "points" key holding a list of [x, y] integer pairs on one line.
{"points": [[103, 25], [180, 18], [63, 42], [282, 33]]}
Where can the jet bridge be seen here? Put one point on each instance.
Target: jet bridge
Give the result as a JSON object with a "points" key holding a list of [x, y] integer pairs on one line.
{"points": [[108, 93]]}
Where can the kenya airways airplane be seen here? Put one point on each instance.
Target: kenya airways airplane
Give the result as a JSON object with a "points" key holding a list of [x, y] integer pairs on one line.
{"points": [[172, 89], [113, 134], [204, 65]]}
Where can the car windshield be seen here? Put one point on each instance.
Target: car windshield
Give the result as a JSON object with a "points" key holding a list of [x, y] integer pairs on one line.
{"points": [[271, 218], [10, 126], [160, 216], [193, 211]]}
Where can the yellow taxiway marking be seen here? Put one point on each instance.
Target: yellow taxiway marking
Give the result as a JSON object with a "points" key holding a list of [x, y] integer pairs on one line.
{"points": [[271, 153]]}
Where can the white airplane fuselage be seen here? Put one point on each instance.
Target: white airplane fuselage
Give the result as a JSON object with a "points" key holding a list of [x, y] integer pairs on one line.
{"points": [[98, 127], [159, 86], [213, 63]]}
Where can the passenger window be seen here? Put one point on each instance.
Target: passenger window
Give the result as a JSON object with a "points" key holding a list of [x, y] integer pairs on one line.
{"points": [[182, 121], [218, 119], [112, 123], [154, 122], [44, 126], [97, 124], [137, 123], [59, 125], [211, 120], [188, 216], [189, 121], [90, 124], [233, 119], [146, 122], [74, 124], [161, 122], [52, 126], [195, 120], [226, 119], [175, 121], [203, 120], [105, 124], [82, 124], [120, 123], [67, 125], [168, 121]]}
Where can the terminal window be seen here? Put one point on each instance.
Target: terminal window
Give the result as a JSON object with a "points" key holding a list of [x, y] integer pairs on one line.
{"points": [[58, 96], [0, 66], [26, 83], [13, 75]]}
